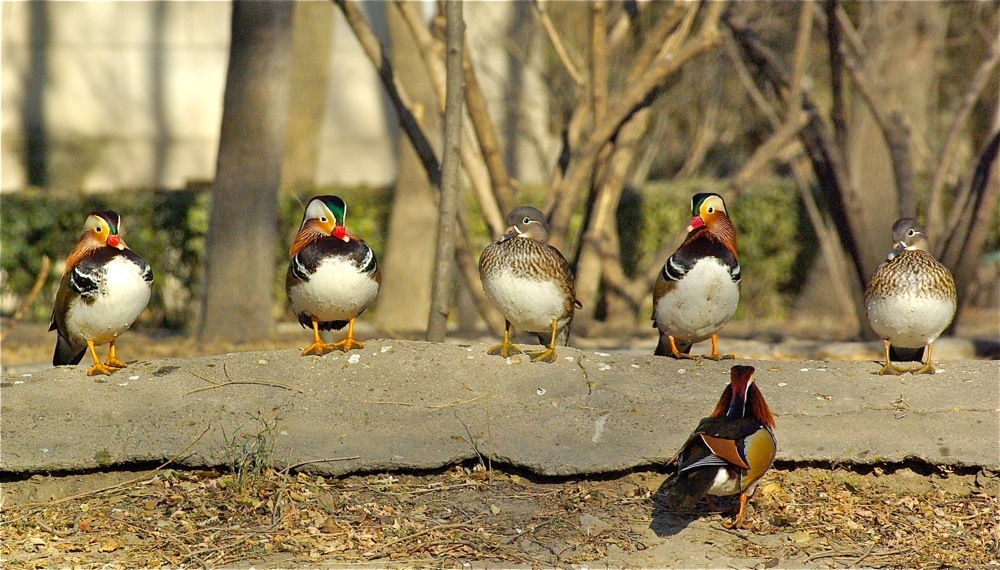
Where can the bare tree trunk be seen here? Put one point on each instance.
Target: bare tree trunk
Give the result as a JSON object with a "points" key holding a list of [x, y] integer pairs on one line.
{"points": [[242, 232], [903, 41], [405, 299], [971, 218], [443, 282], [312, 39], [33, 119]]}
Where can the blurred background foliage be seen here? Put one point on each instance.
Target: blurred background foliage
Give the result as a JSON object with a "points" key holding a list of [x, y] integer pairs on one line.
{"points": [[706, 123], [167, 228]]}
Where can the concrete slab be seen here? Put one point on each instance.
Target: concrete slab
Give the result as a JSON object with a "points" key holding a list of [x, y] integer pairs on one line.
{"points": [[403, 405]]}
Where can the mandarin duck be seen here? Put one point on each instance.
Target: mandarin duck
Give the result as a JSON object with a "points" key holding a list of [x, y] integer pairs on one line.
{"points": [[727, 453], [530, 283], [333, 275], [103, 290], [911, 297], [698, 289]]}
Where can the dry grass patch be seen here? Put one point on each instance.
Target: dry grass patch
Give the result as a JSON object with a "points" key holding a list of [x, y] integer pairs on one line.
{"points": [[800, 517]]}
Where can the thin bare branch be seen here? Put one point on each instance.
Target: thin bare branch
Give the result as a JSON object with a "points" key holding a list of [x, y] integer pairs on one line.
{"points": [[946, 158], [598, 58], [475, 102], [704, 137], [29, 299], [827, 161], [602, 223], [653, 43], [968, 204], [294, 466], [886, 110], [443, 289], [557, 43], [397, 93], [831, 247], [472, 159], [971, 222], [893, 127], [769, 150], [802, 45], [732, 50], [635, 96], [838, 113], [919, 142], [469, 272]]}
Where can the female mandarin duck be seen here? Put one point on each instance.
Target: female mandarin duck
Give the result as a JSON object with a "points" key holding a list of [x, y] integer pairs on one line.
{"points": [[103, 290], [697, 292], [530, 283], [333, 275], [911, 298], [728, 452]]}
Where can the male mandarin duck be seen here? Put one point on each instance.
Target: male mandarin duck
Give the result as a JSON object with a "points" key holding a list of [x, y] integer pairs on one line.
{"points": [[333, 275], [697, 292], [530, 283], [728, 452], [103, 290], [911, 297]]}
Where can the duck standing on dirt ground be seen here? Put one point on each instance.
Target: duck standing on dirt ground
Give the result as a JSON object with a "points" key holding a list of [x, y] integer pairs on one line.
{"points": [[104, 289], [728, 452], [530, 283], [698, 289], [911, 297], [333, 275]]}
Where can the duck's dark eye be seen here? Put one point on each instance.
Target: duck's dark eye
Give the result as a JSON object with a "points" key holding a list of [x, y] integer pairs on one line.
{"points": [[322, 219], [911, 233], [711, 210], [526, 221], [97, 229]]}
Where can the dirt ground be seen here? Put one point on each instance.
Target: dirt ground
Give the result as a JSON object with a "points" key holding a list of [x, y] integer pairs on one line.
{"points": [[473, 517], [801, 517]]}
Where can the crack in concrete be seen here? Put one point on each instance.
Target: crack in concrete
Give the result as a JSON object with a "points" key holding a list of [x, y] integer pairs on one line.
{"points": [[583, 369], [906, 412]]}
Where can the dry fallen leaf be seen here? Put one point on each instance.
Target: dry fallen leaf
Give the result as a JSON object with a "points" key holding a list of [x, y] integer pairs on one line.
{"points": [[110, 546], [800, 536], [770, 489]]}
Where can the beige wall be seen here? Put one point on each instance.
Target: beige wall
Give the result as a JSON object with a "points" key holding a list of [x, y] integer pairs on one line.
{"points": [[131, 95]]}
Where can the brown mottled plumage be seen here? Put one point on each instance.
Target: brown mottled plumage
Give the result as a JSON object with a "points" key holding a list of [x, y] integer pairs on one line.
{"points": [[529, 282], [911, 298]]}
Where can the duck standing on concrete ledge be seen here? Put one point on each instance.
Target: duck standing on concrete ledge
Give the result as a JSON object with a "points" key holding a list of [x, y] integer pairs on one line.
{"points": [[698, 289], [333, 275], [911, 297], [104, 289], [530, 283]]}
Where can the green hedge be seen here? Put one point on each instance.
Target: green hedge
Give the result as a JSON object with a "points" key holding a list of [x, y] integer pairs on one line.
{"points": [[168, 229], [774, 240]]}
